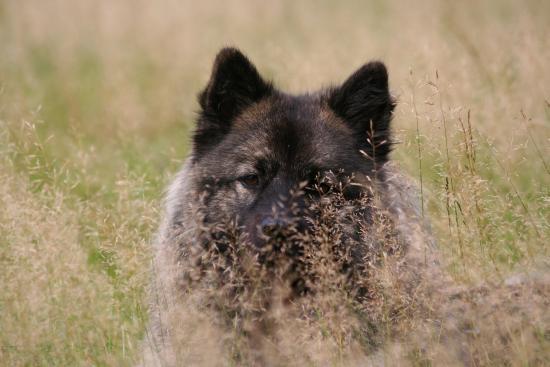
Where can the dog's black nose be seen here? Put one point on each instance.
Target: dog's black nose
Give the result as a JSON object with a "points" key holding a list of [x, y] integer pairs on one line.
{"points": [[271, 225]]}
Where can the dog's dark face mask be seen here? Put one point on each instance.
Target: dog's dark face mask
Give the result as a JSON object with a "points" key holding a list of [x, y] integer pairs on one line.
{"points": [[265, 159]]}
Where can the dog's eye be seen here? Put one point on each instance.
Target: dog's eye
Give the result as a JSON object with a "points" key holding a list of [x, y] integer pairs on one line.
{"points": [[319, 184], [324, 187], [251, 180]]}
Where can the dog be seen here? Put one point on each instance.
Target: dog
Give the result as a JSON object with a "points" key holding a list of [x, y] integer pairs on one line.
{"points": [[276, 185]]}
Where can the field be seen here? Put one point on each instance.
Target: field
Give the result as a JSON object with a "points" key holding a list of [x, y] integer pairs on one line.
{"points": [[97, 101]]}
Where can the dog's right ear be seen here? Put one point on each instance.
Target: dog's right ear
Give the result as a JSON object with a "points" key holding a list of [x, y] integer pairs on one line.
{"points": [[365, 104], [234, 85]]}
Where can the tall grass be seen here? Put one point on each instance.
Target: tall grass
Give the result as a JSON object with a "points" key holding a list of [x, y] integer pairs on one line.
{"points": [[97, 100]]}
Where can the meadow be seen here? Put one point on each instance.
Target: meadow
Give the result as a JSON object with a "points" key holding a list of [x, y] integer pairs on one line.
{"points": [[98, 99]]}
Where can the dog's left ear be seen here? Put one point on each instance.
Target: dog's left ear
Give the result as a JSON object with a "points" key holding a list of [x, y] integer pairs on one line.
{"points": [[365, 104], [234, 85]]}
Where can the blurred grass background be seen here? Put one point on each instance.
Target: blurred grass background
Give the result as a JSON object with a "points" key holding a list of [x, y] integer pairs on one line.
{"points": [[97, 100]]}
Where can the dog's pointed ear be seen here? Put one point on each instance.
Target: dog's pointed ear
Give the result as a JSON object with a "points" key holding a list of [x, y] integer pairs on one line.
{"points": [[234, 85], [365, 104]]}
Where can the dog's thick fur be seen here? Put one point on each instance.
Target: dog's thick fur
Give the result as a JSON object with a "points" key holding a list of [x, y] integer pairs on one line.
{"points": [[276, 185]]}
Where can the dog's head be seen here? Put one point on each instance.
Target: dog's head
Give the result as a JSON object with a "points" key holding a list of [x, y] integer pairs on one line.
{"points": [[262, 157]]}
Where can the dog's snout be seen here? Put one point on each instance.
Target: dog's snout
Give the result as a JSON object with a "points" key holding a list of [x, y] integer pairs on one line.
{"points": [[270, 225]]}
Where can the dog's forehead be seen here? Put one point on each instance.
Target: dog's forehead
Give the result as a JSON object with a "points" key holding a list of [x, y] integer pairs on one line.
{"points": [[297, 130]]}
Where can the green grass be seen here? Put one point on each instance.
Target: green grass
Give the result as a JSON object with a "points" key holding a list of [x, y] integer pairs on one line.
{"points": [[97, 103]]}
